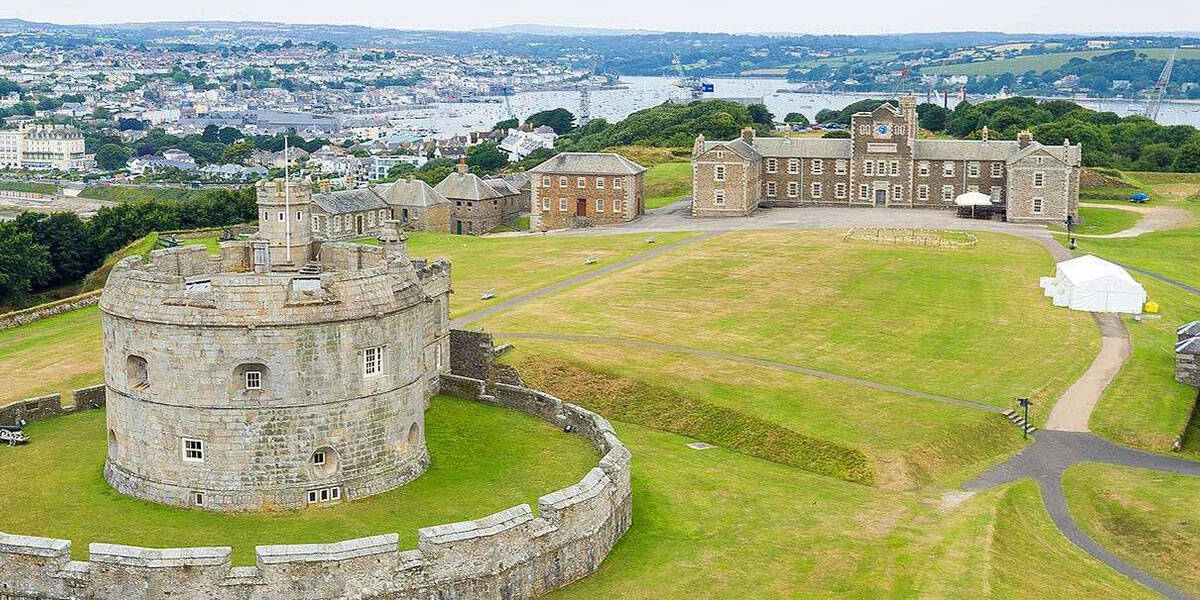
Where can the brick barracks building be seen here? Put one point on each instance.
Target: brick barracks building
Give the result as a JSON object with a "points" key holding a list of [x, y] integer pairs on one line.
{"points": [[883, 164], [584, 189]]}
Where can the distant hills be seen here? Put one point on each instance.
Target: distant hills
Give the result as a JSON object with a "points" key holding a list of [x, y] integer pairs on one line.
{"points": [[565, 30]]}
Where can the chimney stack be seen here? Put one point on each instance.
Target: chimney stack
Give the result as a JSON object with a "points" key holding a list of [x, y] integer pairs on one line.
{"points": [[983, 135], [698, 146], [1024, 138], [462, 166], [748, 134]]}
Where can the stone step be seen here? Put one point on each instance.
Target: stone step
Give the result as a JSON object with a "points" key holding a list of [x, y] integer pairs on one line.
{"points": [[1010, 413]]}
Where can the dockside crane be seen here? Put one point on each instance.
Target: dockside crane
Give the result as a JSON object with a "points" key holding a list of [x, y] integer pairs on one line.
{"points": [[1160, 88]]}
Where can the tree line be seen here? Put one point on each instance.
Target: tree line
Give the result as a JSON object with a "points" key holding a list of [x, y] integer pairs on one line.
{"points": [[43, 251]]}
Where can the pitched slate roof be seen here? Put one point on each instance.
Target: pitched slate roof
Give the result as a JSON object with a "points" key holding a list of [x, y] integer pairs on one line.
{"points": [[410, 192], [349, 201], [590, 163], [737, 146], [501, 186], [1072, 155], [1189, 329], [1188, 346], [804, 147], [466, 186], [964, 149]]}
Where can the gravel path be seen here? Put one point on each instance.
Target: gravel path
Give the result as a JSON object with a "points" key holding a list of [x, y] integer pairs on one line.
{"points": [[1154, 218], [884, 387], [1074, 408]]}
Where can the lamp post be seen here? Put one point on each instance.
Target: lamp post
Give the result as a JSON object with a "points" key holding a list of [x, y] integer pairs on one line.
{"points": [[1070, 221], [1024, 403]]}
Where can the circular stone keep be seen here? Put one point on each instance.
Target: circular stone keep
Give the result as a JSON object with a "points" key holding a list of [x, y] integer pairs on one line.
{"points": [[282, 373]]}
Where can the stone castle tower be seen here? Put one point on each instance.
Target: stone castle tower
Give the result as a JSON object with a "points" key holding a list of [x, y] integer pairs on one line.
{"points": [[285, 224], [239, 386]]}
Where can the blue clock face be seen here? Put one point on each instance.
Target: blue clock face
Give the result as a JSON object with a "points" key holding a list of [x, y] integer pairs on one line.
{"points": [[882, 130]]}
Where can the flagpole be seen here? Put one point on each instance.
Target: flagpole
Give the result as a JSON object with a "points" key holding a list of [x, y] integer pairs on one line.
{"points": [[287, 201]]}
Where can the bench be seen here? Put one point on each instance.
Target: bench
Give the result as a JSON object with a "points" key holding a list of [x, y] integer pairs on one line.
{"points": [[12, 435]]}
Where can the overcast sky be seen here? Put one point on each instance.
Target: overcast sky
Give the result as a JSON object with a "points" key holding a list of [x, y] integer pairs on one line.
{"points": [[863, 16]]}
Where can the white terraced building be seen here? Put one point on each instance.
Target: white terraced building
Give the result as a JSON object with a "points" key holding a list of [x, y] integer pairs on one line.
{"points": [[44, 147]]}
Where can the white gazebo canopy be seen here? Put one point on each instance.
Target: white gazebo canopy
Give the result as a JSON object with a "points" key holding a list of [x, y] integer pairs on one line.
{"points": [[1093, 284], [973, 199]]}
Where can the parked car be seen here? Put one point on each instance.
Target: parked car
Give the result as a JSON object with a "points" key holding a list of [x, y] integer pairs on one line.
{"points": [[1139, 198]]}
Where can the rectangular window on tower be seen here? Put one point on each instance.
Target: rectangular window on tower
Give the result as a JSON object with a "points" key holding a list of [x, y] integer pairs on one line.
{"points": [[373, 360]]}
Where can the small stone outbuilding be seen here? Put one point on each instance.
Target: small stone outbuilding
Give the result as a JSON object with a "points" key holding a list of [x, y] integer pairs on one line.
{"points": [[416, 205], [583, 189], [1187, 354], [347, 214], [477, 205]]}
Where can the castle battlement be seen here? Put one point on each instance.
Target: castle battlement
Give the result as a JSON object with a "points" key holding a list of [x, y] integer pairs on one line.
{"points": [[510, 553]]}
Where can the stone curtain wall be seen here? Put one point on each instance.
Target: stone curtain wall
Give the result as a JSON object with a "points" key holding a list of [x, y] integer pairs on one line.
{"points": [[49, 309], [510, 555], [45, 407]]}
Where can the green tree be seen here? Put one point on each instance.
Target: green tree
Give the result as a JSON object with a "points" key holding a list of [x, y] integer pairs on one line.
{"points": [[559, 119], [111, 157], [22, 261], [101, 113], [506, 124], [486, 158], [238, 152], [836, 134], [932, 117], [434, 171], [760, 115], [400, 170], [1188, 160], [796, 118], [72, 253]]}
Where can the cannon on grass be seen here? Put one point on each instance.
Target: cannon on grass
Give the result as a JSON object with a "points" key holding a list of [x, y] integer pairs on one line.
{"points": [[13, 435]]}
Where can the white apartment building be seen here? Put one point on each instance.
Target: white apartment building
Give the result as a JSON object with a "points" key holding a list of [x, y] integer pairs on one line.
{"points": [[44, 146]]}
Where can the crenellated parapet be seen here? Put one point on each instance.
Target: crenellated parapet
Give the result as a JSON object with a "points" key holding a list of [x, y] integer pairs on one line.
{"points": [[510, 554]]}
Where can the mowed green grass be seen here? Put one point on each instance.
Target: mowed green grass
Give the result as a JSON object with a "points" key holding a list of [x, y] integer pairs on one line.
{"points": [[1148, 518], [1168, 252], [908, 442], [1145, 407], [29, 186], [117, 193], [483, 459], [667, 183], [1046, 62], [719, 525], [62, 353], [1102, 221], [969, 322], [54, 355]]}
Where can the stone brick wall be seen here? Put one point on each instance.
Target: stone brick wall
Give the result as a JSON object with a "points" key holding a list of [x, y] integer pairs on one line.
{"points": [[509, 555], [798, 177], [49, 406], [49, 309], [600, 202], [1059, 192], [476, 217], [742, 184]]}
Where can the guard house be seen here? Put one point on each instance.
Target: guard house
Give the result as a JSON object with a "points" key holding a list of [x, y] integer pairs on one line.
{"points": [[1187, 354]]}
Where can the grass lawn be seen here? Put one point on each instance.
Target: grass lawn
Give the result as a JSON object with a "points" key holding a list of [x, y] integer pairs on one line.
{"points": [[517, 265], [1150, 519], [667, 183], [1145, 407], [1166, 252], [1101, 221], [483, 459], [736, 527], [56, 354], [967, 322], [117, 193], [29, 186], [906, 442]]}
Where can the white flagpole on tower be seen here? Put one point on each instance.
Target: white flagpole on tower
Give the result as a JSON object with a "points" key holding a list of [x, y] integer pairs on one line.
{"points": [[287, 201]]}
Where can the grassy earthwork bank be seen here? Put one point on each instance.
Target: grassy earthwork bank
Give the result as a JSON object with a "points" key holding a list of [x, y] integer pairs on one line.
{"points": [[29, 186], [474, 447], [114, 193], [1148, 518]]}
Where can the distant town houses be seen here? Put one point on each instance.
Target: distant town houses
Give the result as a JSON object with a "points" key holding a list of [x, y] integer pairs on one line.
{"points": [[584, 189], [169, 159], [232, 172], [39, 146], [519, 143]]}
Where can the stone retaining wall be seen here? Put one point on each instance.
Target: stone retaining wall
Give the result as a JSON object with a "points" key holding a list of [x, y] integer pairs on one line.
{"points": [[45, 407], [510, 555], [49, 309]]}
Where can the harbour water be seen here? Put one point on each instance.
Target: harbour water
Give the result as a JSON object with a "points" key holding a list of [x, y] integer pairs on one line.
{"points": [[637, 93]]}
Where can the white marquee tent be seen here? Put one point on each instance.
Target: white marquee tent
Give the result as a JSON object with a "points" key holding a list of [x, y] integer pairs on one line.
{"points": [[1093, 284]]}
